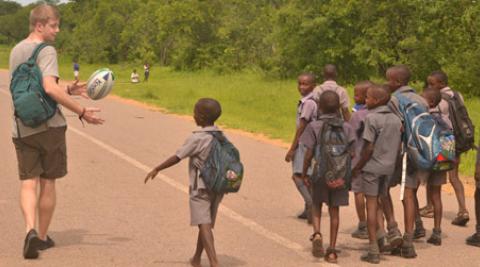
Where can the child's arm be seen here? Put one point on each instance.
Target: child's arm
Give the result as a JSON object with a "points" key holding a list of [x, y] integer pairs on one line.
{"points": [[298, 133], [166, 164], [365, 156], [346, 114], [307, 161]]}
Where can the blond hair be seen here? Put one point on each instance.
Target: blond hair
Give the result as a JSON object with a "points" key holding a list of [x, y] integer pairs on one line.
{"points": [[41, 14]]}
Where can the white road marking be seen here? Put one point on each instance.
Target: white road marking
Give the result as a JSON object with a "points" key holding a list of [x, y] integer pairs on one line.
{"points": [[250, 224]]}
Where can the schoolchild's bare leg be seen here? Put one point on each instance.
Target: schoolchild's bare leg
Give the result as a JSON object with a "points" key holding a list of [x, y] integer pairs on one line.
{"points": [[372, 222], [46, 206], [409, 210], [419, 229], [304, 192], [197, 257], [380, 217], [28, 202], [458, 188], [360, 207], [317, 218], [208, 243], [334, 213], [437, 205]]}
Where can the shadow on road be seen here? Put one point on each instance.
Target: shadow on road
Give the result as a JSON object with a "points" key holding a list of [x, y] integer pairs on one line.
{"points": [[78, 236]]}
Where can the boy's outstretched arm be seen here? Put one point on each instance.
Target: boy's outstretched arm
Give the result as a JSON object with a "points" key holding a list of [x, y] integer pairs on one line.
{"points": [[307, 161], [346, 114], [365, 156], [298, 133], [166, 164]]}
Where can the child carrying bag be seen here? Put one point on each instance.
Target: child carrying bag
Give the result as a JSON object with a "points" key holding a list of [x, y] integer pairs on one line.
{"points": [[222, 171]]}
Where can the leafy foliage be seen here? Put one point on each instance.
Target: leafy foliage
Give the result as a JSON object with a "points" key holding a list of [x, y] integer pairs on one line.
{"points": [[282, 38]]}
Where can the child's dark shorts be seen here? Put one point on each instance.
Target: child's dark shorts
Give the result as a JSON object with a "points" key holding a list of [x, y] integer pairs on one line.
{"points": [[333, 198], [374, 184], [204, 206], [42, 155]]}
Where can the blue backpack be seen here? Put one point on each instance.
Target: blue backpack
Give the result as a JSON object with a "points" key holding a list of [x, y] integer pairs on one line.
{"points": [[32, 105], [427, 144], [223, 160]]}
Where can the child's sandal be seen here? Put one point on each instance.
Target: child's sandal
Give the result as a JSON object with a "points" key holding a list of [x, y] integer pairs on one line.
{"points": [[317, 245], [331, 256]]}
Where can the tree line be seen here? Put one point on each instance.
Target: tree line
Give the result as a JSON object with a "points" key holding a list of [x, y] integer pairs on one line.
{"points": [[279, 37]]}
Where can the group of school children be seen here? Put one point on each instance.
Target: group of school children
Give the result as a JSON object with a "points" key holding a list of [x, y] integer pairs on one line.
{"points": [[372, 135], [379, 160]]}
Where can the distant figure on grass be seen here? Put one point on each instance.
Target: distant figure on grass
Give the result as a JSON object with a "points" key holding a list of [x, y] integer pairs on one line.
{"points": [[382, 137], [330, 84], [76, 70], [358, 125], [314, 137], [146, 68], [306, 112], [134, 77], [41, 151], [461, 123], [203, 203]]}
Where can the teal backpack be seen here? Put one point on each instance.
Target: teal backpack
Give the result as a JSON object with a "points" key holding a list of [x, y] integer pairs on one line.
{"points": [[32, 105], [222, 160]]}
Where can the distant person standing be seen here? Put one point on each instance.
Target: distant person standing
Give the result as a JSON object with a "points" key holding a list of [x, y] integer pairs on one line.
{"points": [[76, 70], [146, 67], [134, 77]]}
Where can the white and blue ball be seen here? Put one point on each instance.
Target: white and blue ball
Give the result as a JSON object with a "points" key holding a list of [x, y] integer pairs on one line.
{"points": [[100, 83]]}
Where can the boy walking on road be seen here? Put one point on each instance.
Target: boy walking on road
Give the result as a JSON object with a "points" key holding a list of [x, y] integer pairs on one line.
{"points": [[330, 84], [203, 203], [306, 112]]}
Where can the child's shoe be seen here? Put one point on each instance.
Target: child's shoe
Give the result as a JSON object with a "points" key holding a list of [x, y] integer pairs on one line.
{"points": [[461, 219], [394, 237], [303, 215], [331, 255], [419, 232], [317, 245], [474, 240], [436, 238], [373, 255], [371, 258], [361, 232], [383, 246], [407, 250], [426, 211]]}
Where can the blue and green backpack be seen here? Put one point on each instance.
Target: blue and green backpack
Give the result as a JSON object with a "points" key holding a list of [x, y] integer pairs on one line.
{"points": [[32, 105], [223, 157]]}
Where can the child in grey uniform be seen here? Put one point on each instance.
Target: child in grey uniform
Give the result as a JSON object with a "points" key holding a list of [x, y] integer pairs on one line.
{"points": [[382, 137], [321, 193], [306, 112], [203, 203]]}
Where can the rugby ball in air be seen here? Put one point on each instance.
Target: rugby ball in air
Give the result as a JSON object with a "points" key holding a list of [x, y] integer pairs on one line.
{"points": [[100, 83]]}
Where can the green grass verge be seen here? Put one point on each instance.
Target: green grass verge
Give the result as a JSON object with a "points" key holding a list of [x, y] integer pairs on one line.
{"points": [[249, 101]]}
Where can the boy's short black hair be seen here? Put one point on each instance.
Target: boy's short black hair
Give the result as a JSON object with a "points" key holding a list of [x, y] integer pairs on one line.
{"points": [[329, 102], [363, 84], [330, 72], [380, 92], [441, 76], [434, 95], [310, 75], [403, 73], [209, 109]]}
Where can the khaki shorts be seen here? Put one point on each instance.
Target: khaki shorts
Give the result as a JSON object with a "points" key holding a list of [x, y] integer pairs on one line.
{"points": [[42, 155], [374, 185], [432, 178], [204, 207]]}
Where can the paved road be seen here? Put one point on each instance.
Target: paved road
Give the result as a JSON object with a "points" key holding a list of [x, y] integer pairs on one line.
{"points": [[106, 216]]}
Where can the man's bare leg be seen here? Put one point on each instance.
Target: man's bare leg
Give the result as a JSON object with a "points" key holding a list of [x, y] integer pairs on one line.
{"points": [[28, 202], [46, 203]]}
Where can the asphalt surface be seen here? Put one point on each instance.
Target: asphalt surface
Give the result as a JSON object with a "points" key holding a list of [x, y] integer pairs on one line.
{"points": [[106, 216]]}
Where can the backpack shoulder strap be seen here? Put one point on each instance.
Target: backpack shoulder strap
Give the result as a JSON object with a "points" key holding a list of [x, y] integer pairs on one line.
{"points": [[37, 51]]}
